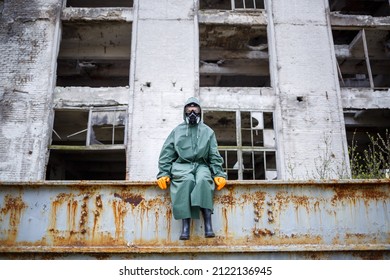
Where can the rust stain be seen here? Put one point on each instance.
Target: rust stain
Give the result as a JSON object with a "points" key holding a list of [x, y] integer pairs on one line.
{"points": [[282, 199], [225, 200], [71, 215], [97, 213], [301, 201], [225, 221], [169, 222], [55, 205], [353, 194], [133, 199], [84, 214], [119, 210], [263, 232], [15, 206]]}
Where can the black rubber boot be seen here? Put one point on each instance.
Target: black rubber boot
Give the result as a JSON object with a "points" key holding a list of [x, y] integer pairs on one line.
{"points": [[185, 229], [208, 228]]}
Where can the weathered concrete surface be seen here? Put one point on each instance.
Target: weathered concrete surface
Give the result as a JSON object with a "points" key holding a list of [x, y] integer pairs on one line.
{"points": [[242, 98], [365, 98], [308, 110], [340, 21], [164, 75], [98, 14], [28, 44], [287, 219], [85, 97]]}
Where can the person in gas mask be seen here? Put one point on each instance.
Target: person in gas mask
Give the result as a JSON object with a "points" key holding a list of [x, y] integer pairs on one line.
{"points": [[190, 163]]}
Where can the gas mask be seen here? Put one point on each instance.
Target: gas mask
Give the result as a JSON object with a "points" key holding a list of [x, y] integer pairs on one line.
{"points": [[192, 115], [193, 118]]}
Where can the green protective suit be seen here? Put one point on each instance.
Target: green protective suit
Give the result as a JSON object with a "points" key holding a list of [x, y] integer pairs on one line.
{"points": [[191, 159]]}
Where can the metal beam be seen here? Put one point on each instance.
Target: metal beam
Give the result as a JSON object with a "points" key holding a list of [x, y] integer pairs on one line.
{"points": [[250, 217]]}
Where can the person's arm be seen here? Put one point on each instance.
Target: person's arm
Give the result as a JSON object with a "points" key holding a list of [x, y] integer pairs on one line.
{"points": [[215, 159], [216, 164], [167, 156]]}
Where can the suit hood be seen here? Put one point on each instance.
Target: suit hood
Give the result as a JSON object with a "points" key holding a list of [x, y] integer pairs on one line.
{"points": [[190, 101]]}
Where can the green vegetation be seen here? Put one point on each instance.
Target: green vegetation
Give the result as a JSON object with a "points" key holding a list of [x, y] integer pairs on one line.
{"points": [[373, 161]]}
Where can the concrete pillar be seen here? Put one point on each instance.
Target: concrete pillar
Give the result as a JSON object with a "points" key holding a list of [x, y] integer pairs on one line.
{"points": [[310, 126], [28, 44], [164, 74]]}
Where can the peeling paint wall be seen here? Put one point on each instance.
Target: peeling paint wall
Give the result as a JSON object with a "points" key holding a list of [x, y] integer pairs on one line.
{"points": [[27, 47]]}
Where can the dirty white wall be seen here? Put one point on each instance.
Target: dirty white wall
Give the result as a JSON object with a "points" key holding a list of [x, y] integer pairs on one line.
{"points": [[310, 123], [164, 75], [28, 34]]}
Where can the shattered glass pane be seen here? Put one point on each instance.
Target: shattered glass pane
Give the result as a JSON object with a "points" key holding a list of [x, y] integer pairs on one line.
{"points": [[107, 127], [257, 120]]}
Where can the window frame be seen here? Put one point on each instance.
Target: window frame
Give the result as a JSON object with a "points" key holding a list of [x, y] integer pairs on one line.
{"points": [[241, 150]]}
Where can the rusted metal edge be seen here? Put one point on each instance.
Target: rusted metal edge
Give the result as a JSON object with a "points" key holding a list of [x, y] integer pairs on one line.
{"points": [[249, 183], [193, 249]]}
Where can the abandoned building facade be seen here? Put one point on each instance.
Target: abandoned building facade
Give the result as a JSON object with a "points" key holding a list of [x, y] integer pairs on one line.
{"points": [[90, 90]]}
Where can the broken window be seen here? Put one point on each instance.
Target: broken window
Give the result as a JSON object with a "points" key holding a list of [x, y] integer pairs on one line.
{"points": [[98, 3], [368, 137], [233, 56], [377, 8], [88, 145], [94, 54], [246, 141], [231, 4], [363, 58]]}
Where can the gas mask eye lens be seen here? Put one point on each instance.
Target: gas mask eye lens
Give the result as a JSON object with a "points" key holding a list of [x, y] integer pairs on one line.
{"points": [[189, 109]]}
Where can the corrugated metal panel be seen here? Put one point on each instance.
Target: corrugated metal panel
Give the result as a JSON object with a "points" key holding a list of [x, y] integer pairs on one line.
{"points": [[249, 218]]}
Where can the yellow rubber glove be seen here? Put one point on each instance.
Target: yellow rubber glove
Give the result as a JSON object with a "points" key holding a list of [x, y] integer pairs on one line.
{"points": [[220, 182], [163, 182]]}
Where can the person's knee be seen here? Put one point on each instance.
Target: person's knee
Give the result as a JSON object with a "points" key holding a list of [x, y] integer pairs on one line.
{"points": [[204, 180]]}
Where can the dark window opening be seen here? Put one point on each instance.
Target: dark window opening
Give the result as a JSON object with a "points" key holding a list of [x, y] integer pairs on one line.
{"points": [[98, 3], [231, 4], [368, 137], [233, 56], [94, 54], [363, 58], [377, 8], [86, 165], [88, 145]]}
